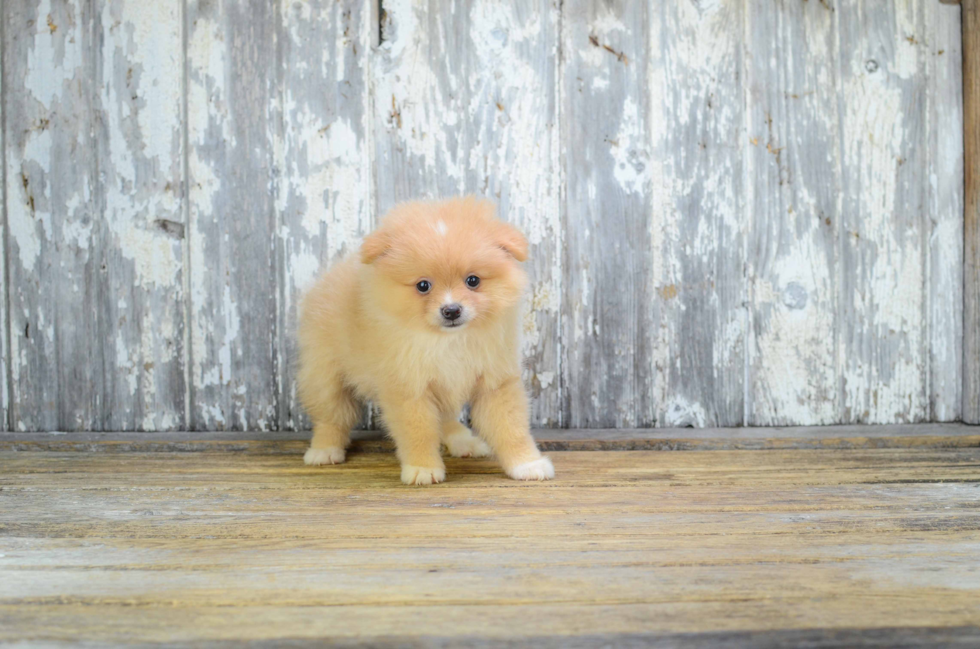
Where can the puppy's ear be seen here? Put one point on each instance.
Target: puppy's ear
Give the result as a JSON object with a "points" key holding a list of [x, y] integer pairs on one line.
{"points": [[510, 239], [375, 245]]}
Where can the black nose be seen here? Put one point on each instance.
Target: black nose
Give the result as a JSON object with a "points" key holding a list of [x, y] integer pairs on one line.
{"points": [[452, 311]]}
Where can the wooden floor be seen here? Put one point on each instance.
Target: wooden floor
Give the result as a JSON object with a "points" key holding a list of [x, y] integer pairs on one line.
{"points": [[875, 547]]}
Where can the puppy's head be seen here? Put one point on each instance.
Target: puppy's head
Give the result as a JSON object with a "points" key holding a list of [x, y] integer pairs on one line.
{"points": [[444, 266]]}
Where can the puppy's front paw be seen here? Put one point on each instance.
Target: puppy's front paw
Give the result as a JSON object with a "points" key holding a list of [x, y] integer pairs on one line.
{"points": [[466, 444], [422, 474], [330, 455], [540, 469]]}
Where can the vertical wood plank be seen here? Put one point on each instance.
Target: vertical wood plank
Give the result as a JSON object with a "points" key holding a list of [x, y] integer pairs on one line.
{"points": [[971, 138], [325, 197], [607, 299], [92, 134], [944, 132], [883, 239], [698, 238], [792, 205], [55, 262], [233, 122], [465, 103], [140, 165], [4, 324]]}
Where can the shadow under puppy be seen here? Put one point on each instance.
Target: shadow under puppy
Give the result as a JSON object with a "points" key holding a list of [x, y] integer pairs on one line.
{"points": [[425, 320]]}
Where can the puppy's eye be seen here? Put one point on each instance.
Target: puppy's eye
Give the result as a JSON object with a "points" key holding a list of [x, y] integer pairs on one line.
{"points": [[423, 287], [472, 281]]}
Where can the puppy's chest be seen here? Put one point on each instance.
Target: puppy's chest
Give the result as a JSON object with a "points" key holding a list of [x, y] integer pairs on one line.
{"points": [[454, 367]]}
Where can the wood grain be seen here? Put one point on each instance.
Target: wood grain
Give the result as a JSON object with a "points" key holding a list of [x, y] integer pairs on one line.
{"points": [[653, 316], [94, 219], [740, 213], [607, 321], [325, 194], [912, 436], [52, 218], [793, 207], [233, 122], [971, 138], [944, 287], [701, 237], [140, 169], [217, 547], [884, 234], [4, 247], [465, 103]]}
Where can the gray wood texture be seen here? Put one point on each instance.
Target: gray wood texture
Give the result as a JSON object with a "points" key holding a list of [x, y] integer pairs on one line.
{"points": [[945, 210], [466, 103], [608, 302], [884, 237], [700, 235], [739, 213], [233, 130], [284, 442], [4, 246], [792, 212], [731, 549], [971, 136], [324, 195], [93, 155]]}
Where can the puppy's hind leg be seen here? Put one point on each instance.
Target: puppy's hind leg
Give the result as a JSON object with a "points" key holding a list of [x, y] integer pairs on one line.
{"points": [[334, 410], [460, 440]]}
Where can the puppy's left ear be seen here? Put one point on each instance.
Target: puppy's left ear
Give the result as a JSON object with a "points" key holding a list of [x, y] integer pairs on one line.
{"points": [[510, 239], [375, 245]]}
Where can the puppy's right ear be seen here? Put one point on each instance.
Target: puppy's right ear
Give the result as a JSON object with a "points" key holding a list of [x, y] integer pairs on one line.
{"points": [[510, 239], [375, 245]]}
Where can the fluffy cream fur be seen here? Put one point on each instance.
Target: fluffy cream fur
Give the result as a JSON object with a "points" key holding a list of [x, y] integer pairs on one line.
{"points": [[368, 333]]}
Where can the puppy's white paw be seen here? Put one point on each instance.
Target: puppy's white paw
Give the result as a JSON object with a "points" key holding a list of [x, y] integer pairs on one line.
{"points": [[422, 474], [330, 455], [466, 444], [540, 469]]}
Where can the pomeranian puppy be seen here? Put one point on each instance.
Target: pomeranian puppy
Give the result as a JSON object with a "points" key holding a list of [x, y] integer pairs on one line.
{"points": [[425, 320]]}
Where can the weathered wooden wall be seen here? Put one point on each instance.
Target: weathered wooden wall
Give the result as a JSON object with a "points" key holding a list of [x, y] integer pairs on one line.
{"points": [[740, 212]]}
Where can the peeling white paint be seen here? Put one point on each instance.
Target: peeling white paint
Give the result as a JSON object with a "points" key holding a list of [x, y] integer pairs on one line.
{"points": [[545, 379], [28, 220], [945, 251], [229, 308], [141, 93], [125, 365], [303, 268], [325, 191], [680, 413], [411, 98], [484, 123], [753, 256], [630, 153], [887, 295], [56, 55]]}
